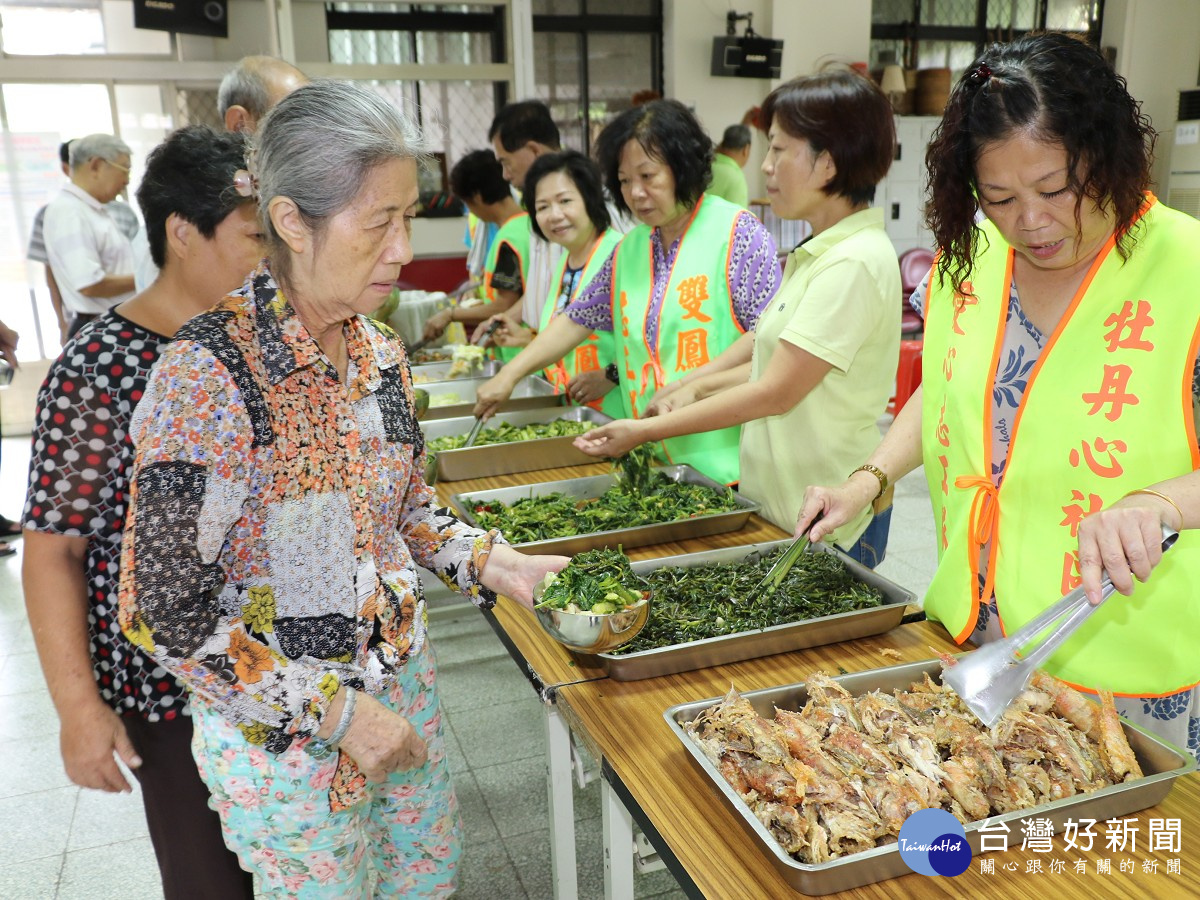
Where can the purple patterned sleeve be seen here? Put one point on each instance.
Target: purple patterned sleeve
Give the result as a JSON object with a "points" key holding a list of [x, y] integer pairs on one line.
{"points": [[592, 309], [754, 273]]}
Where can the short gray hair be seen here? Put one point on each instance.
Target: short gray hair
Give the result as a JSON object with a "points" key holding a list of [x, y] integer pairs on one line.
{"points": [[244, 87], [319, 144], [97, 146]]}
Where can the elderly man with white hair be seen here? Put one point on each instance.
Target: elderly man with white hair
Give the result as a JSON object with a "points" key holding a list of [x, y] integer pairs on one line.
{"points": [[91, 258]]}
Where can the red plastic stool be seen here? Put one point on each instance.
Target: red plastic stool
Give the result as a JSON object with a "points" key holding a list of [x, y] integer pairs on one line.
{"points": [[908, 374]]}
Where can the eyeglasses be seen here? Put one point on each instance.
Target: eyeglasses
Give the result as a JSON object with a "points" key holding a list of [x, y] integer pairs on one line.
{"points": [[116, 165]]}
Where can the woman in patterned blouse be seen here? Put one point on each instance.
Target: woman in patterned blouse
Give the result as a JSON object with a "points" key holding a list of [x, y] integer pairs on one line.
{"points": [[277, 517], [684, 285]]}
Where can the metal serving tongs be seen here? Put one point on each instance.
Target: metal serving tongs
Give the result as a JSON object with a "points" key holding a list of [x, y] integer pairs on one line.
{"points": [[990, 678], [775, 575]]}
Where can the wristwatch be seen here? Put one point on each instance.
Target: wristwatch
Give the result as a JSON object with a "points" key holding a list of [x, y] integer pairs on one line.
{"points": [[612, 374]]}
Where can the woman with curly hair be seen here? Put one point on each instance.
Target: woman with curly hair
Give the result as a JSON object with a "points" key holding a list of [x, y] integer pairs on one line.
{"points": [[680, 288], [1056, 420]]}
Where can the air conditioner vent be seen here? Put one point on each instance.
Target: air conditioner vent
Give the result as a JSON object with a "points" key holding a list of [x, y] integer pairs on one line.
{"points": [[1189, 104]]}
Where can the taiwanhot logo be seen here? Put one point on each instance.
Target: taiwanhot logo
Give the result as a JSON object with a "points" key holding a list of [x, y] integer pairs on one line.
{"points": [[932, 842]]}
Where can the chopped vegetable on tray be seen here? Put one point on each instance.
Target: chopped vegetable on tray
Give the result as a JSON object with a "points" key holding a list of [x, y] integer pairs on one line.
{"points": [[714, 599], [505, 433]]}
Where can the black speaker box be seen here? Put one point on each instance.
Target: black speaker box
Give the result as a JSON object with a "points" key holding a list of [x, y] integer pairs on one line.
{"points": [[207, 17]]}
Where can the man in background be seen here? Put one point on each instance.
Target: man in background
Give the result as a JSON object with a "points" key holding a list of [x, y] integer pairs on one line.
{"points": [[728, 179], [520, 133], [247, 93], [122, 214], [90, 258], [478, 181], [252, 88]]}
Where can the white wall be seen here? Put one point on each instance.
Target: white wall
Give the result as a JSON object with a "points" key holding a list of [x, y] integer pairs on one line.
{"points": [[811, 35], [1158, 52]]}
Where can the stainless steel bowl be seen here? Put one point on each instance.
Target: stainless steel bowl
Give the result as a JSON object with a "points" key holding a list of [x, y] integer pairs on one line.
{"points": [[587, 633]]}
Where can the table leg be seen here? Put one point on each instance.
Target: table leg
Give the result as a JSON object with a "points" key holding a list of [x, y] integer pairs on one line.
{"points": [[562, 806], [617, 825]]}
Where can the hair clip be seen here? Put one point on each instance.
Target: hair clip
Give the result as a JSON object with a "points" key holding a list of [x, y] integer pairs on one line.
{"points": [[981, 74], [245, 183]]}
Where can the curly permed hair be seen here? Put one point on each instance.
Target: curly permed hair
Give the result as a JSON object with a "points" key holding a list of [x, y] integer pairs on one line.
{"points": [[1062, 91]]}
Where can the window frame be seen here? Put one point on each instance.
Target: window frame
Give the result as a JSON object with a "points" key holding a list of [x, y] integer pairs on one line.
{"points": [[913, 31]]}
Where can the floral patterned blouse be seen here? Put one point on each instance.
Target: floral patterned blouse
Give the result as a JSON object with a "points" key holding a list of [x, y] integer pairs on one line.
{"points": [[277, 516]]}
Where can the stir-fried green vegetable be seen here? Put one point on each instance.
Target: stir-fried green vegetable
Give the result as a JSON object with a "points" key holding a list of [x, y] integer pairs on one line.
{"points": [[597, 581], [634, 472], [506, 433], [558, 515], [714, 599]]}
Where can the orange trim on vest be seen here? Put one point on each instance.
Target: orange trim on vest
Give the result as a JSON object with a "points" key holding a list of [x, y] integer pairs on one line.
{"points": [[1189, 408]]}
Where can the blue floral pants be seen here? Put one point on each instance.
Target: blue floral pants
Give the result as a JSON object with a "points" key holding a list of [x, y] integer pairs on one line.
{"points": [[403, 840]]}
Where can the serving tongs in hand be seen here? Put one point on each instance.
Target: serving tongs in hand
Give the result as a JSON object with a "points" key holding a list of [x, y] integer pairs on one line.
{"points": [[775, 575], [991, 678], [472, 434]]}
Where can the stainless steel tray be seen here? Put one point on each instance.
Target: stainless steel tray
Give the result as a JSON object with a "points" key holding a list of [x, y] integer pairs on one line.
{"points": [[517, 456], [1161, 762], [440, 371], [731, 648], [531, 392], [640, 536]]}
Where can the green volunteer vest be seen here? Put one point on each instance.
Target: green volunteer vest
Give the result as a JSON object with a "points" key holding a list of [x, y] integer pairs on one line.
{"points": [[696, 323], [515, 232], [1107, 409], [599, 350]]}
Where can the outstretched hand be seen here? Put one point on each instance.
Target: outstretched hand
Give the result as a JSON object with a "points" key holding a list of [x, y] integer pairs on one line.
{"points": [[613, 439]]}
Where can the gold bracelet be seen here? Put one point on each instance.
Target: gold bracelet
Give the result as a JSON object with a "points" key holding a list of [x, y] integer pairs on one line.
{"points": [[878, 473], [1161, 496]]}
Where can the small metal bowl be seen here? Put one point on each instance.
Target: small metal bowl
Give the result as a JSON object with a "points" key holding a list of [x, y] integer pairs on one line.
{"points": [[587, 633], [421, 402]]}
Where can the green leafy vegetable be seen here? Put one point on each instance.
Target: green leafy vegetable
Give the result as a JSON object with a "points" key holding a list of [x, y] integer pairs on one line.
{"points": [[634, 471], [558, 515], [597, 581], [505, 433], [716, 599]]}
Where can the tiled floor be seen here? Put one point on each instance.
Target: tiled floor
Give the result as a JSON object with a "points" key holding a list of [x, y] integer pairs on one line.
{"points": [[63, 842]]}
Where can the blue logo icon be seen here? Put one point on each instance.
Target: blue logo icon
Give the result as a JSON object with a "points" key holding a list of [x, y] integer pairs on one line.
{"points": [[932, 842]]}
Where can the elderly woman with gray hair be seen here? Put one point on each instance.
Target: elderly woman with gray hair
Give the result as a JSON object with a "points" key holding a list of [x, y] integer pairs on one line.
{"points": [[278, 514]]}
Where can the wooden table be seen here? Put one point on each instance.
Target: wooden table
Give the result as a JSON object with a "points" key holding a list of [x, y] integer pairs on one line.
{"points": [[550, 667], [650, 779]]}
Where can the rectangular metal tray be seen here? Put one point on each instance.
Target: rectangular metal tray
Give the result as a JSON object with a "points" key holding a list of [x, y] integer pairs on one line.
{"points": [[531, 392], [517, 456], [639, 536], [784, 638], [440, 371], [1161, 762]]}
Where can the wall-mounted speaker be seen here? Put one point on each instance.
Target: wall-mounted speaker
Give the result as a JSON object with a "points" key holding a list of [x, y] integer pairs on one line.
{"points": [[207, 17]]}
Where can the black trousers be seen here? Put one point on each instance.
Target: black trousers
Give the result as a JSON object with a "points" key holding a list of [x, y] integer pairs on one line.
{"points": [[192, 857]]}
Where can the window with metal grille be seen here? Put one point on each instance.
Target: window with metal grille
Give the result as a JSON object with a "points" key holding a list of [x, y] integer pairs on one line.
{"points": [[591, 57], [921, 34]]}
